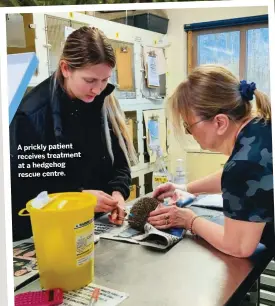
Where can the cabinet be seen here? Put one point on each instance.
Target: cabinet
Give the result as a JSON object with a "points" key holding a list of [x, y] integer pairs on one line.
{"points": [[200, 164]]}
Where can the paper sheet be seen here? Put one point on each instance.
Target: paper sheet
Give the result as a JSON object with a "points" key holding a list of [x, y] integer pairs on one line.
{"points": [[160, 114], [107, 297], [153, 133], [211, 200], [16, 37], [161, 61], [152, 73]]}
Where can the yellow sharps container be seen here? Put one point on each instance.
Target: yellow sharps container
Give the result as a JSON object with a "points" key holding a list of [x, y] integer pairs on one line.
{"points": [[63, 233]]}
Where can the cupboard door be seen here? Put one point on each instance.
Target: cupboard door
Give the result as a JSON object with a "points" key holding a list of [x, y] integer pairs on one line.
{"points": [[199, 165]]}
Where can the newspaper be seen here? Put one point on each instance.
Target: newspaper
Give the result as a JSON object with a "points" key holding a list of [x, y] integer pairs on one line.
{"points": [[103, 227], [82, 297], [156, 238], [24, 263], [151, 237]]}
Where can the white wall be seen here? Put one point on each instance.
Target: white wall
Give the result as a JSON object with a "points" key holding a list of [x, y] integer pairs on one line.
{"points": [[177, 57]]}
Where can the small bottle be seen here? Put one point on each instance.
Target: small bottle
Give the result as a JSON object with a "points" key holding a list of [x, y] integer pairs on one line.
{"points": [[179, 177], [160, 173]]}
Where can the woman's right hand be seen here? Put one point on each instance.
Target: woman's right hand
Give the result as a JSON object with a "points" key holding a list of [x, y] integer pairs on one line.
{"points": [[167, 190], [105, 202]]}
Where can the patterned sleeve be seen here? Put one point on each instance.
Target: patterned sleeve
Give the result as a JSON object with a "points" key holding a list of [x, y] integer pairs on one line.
{"points": [[247, 189]]}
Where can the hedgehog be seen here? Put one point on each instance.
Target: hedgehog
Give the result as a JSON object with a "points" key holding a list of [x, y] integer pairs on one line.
{"points": [[140, 211]]}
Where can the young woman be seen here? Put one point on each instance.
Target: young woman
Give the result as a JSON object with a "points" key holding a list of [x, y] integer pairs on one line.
{"points": [[74, 112], [216, 109]]}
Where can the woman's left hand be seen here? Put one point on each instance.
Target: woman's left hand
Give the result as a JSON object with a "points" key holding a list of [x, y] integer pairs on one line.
{"points": [[171, 216], [118, 214]]}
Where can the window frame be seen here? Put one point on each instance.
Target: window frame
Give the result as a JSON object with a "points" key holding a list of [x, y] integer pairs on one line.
{"points": [[192, 40]]}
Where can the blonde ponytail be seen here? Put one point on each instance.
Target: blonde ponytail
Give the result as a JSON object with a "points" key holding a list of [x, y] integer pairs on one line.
{"points": [[263, 105], [118, 121]]}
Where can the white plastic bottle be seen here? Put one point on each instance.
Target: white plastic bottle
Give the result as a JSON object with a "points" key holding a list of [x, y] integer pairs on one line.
{"points": [[160, 173], [179, 177]]}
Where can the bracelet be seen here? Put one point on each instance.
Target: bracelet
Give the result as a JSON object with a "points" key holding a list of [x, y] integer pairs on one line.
{"points": [[191, 225]]}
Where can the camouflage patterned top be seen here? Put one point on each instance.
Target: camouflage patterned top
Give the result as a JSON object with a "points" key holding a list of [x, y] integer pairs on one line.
{"points": [[247, 179]]}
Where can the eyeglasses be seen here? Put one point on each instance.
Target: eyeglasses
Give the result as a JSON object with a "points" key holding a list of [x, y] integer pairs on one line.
{"points": [[188, 127]]}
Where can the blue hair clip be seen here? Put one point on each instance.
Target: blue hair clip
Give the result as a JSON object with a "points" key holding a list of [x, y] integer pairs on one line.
{"points": [[247, 90]]}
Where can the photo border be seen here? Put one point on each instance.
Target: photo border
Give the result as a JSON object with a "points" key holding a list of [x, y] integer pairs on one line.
{"points": [[6, 268]]}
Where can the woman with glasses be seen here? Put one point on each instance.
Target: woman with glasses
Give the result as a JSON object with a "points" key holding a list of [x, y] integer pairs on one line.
{"points": [[217, 111]]}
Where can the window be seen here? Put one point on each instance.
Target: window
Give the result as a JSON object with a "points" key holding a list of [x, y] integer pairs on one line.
{"points": [[243, 49], [219, 48]]}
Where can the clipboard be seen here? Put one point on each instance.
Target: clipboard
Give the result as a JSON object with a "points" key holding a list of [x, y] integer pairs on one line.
{"points": [[151, 74], [159, 115], [124, 68]]}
